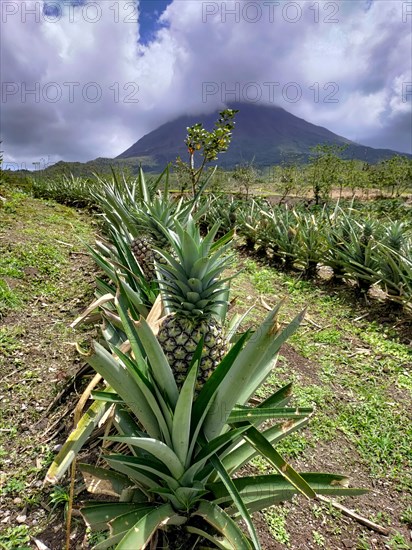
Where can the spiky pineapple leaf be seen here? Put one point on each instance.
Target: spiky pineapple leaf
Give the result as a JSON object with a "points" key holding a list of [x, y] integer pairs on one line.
{"points": [[160, 368], [183, 409], [102, 481], [125, 384], [156, 402], [237, 499], [250, 414], [195, 469], [76, 440], [140, 534], [262, 445], [223, 523], [108, 397], [140, 472], [221, 544], [98, 516], [243, 453], [157, 448]]}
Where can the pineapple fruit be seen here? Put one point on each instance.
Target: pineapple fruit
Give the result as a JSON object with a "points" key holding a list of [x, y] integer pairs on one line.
{"points": [[195, 297], [154, 220], [143, 250]]}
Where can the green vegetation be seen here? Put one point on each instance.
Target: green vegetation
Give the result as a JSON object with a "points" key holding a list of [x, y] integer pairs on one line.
{"points": [[15, 537], [360, 250], [44, 282], [379, 427], [276, 520], [180, 392], [34, 255], [208, 441]]}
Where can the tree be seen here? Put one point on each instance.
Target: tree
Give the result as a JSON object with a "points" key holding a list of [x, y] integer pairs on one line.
{"points": [[393, 175], [356, 175], [290, 177], [324, 167], [245, 176], [208, 144]]}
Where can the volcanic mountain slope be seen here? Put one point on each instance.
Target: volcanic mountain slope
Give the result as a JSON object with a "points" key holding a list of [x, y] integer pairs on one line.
{"points": [[263, 134]]}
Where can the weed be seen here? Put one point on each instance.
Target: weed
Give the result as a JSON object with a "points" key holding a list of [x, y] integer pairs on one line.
{"points": [[398, 542], [294, 445], [406, 516], [362, 543], [404, 381], [10, 340], [9, 299], [93, 538], [59, 497], [260, 464], [15, 537], [318, 538], [381, 517], [13, 486], [328, 336], [276, 520]]}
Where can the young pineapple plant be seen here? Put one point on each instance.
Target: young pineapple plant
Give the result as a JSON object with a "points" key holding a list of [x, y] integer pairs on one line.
{"points": [[282, 233], [118, 197], [220, 208], [392, 247], [394, 254], [195, 298], [338, 237], [311, 244], [359, 254], [249, 221]]}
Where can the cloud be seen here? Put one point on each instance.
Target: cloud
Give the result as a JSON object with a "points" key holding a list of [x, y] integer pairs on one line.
{"points": [[96, 88]]}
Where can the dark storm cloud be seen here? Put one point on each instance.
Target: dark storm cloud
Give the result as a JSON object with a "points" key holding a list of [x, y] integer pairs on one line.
{"points": [[348, 64]]}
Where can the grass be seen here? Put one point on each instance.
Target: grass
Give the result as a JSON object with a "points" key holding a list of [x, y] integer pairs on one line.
{"points": [[10, 340], [45, 281], [37, 250], [361, 360], [15, 537], [355, 373], [357, 377]]}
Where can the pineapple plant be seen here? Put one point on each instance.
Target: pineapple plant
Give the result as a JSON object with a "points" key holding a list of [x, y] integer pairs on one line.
{"points": [[195, 298], [153, 219], [172, 464], [311, 244]]}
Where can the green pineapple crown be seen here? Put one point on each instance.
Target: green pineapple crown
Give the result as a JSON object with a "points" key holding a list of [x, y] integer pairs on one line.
{"points": [[190, 279], [158, 216], [396, 235]]}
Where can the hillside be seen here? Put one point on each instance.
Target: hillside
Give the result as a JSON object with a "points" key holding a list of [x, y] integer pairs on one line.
{"points": [[264, 134]]}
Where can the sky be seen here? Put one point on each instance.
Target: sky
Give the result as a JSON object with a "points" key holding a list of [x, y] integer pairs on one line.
{"points": [[83, 79]]}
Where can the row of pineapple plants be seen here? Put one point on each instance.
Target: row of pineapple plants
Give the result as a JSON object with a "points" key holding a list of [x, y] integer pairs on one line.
{"points": [[175, 378], [357, 249]]}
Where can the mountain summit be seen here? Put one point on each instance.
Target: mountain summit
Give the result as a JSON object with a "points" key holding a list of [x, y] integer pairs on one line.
{"points": [[263, 134]]}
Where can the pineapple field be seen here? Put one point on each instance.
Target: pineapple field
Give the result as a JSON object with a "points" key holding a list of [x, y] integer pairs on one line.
{"points": [[203, 369]]}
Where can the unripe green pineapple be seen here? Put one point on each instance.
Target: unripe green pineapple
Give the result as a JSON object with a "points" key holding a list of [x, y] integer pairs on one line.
{"points": [[194, 295], [154, 220], [142, 248]]}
